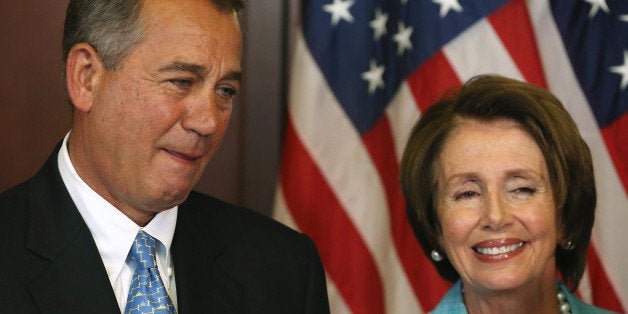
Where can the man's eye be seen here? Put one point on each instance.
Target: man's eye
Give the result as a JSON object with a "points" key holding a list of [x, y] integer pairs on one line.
{"points": [[226, 92], [182, 83], [466, 195]]}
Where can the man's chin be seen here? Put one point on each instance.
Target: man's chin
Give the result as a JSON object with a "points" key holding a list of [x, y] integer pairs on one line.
{"points": [[171, 198]]}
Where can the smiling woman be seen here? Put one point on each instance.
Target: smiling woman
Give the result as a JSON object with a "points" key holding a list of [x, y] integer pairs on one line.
{"points": [[501, 195], [495, 206]]}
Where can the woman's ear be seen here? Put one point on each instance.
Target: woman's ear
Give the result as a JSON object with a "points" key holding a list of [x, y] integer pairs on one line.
{"points": [[83, 72]]}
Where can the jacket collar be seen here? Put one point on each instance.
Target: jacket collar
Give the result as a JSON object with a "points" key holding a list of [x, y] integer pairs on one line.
{"points": [[72, 278], [71, 275], [198, 252]]}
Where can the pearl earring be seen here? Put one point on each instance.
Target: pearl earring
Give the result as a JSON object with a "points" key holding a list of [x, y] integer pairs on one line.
{"points": [[436, 256]]}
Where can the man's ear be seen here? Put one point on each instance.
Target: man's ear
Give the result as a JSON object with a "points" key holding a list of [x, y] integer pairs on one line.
{"points": [[83, 73]]}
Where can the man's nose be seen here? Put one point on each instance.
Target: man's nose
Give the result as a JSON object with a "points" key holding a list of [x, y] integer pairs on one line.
{"points": [[204, 116]]}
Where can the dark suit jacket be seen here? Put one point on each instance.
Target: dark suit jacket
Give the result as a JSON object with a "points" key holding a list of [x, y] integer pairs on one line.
{"points": [[227, 259]]}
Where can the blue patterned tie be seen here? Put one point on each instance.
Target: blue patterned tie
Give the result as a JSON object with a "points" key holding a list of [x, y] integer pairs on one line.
{"points": [[147, 293]]}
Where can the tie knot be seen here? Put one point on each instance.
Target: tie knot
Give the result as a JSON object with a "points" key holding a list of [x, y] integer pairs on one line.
{"points": [[143, 251]]}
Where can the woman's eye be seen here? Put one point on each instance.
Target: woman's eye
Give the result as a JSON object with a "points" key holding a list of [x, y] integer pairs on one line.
{"points": [[524, 191], [466, 195]]}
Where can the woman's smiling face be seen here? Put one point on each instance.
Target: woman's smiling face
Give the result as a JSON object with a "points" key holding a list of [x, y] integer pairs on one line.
{"points": [[496, 208]]}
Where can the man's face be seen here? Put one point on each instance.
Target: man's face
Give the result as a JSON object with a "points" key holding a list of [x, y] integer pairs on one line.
{"points": [[158, 118]]}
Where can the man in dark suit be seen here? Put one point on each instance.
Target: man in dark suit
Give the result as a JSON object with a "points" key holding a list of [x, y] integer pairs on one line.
{"points": [[151, 83]]}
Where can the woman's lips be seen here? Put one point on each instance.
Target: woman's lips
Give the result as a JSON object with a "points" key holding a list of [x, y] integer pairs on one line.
{"points": [[498, 250]]}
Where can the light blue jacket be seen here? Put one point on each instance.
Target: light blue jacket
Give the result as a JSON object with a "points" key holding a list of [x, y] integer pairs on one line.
{"points": [[452, 302]]}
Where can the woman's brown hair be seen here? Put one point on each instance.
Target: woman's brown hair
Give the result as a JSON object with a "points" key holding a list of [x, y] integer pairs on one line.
{"points": [[489, 98]]}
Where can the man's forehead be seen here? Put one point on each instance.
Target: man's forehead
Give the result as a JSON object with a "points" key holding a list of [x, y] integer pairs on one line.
{"points": [[184, 7], [199, 17]]}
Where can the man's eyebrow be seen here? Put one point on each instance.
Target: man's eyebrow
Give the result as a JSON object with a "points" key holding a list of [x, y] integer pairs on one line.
{"points": [[193, 68], [198, 70], [233, 76]]}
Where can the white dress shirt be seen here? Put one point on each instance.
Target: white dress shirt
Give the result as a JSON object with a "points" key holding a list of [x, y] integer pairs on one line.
{"points": [[114, 232]]}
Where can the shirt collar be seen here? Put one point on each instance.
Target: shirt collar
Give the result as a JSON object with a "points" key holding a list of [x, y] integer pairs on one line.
{"points": [[112, 231], [452, 302]]}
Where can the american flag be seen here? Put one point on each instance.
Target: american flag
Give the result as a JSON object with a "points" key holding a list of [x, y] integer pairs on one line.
{"points": [[363, 71]]}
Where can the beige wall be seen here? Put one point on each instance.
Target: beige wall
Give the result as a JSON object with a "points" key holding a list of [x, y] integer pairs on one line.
{"points": [[34, 115]]}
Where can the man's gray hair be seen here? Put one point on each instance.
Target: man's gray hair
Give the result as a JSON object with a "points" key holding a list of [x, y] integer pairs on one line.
{"points": [[112, 27]]}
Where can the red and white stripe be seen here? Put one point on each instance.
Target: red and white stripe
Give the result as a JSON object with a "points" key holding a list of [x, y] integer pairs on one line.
{"points": [[608, 258]]}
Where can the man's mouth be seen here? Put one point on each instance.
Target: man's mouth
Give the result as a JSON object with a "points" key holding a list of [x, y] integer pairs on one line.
{"points": [[184, 156]]}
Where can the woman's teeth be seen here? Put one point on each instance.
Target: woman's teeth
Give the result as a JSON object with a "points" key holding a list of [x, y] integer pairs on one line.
{"points": [[499, 249]]}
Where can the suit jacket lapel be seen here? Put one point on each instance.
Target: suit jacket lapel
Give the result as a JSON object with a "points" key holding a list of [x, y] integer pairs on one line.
{"points": [[202, 285], [74, 279]]}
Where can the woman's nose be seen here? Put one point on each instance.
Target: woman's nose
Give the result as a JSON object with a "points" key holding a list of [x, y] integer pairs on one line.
{"points": [[496, 215]]}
